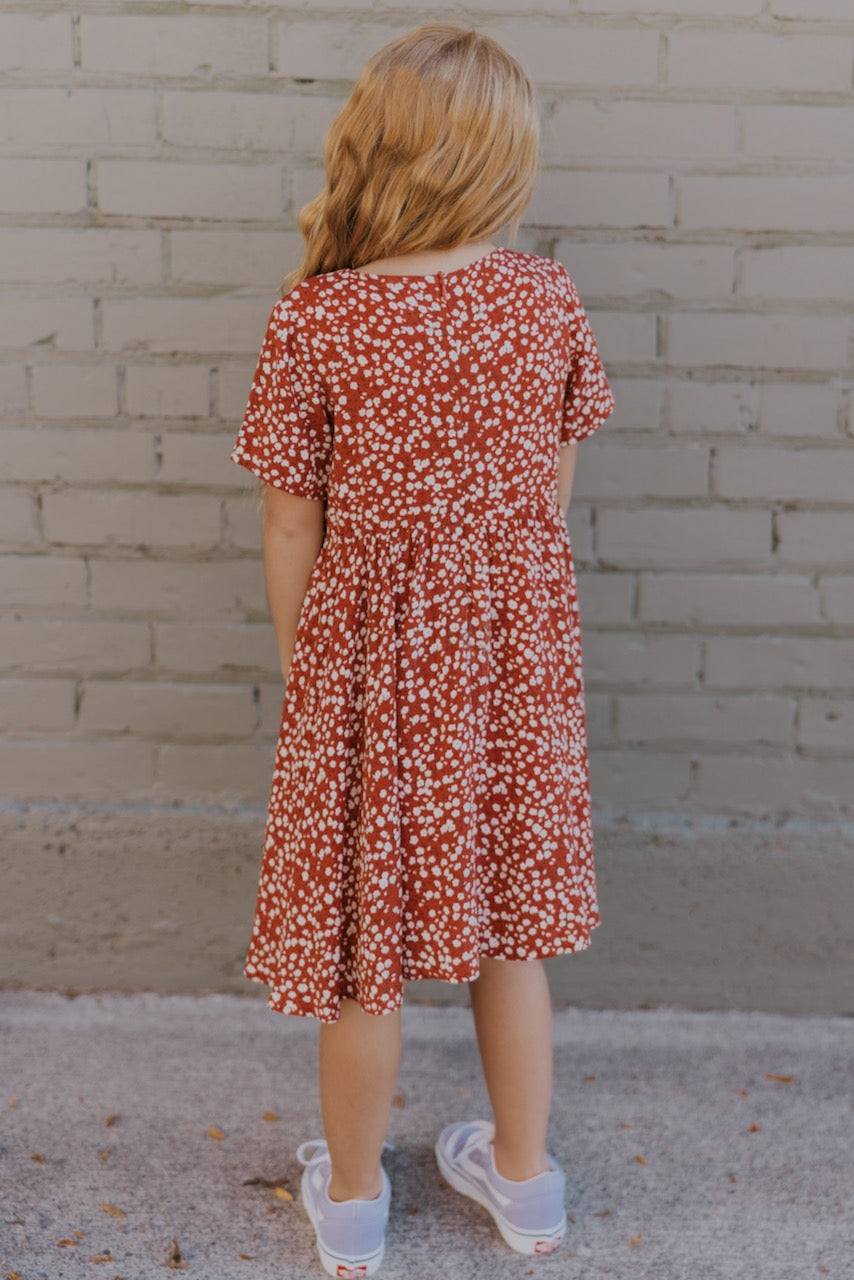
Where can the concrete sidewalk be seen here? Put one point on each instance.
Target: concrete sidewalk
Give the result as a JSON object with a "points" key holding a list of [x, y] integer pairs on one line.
{"points": [[698, 1146]]}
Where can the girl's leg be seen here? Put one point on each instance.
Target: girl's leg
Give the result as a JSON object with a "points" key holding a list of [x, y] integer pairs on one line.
{"points": [[359, 1060], [511, 1004]]}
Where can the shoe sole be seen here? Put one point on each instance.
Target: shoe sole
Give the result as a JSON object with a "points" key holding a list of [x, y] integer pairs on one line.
{"points": [[336, 1265], [529, 1242]]}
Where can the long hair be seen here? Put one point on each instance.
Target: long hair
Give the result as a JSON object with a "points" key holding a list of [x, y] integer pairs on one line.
{"points": [[438, 144]]}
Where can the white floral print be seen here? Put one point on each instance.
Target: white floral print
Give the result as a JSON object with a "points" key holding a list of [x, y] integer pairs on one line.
{"points": [[430, 797]]}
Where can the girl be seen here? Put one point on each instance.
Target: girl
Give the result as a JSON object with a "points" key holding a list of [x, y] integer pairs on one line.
{"points": [[430, 809]]}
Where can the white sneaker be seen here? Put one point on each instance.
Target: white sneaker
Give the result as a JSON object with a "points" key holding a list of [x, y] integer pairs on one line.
{"points": [[530, 1214], [350, 1233]]}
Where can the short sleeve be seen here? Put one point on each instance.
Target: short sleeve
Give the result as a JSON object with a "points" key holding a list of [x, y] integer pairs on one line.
{"points": [[286, 436], [588, 399]]}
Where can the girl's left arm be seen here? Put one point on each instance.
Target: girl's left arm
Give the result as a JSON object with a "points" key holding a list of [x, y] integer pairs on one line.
{"points": [[566, 473], [294, 529]]}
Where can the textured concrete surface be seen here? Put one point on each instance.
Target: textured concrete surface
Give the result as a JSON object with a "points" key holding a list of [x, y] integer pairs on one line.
{"points": [[698, 1146], [700, 913]]}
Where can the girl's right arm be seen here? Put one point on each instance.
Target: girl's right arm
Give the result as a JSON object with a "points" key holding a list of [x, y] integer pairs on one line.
{"points": [[294, 529]]}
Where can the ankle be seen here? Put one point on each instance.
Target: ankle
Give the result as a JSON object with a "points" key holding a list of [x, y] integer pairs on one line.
{"points": [[519, 1168], [339, 1190]]}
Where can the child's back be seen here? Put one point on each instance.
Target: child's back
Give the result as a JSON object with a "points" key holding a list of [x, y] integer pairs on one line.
{"points": [[430, 799]]}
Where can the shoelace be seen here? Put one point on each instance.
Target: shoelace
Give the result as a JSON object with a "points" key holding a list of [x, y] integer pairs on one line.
{"points": [[322, 1149]]}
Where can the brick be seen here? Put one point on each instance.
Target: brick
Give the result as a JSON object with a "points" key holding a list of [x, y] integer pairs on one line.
{"points": [[13, 389], [42, 646], [817, 273], [173, 326], [638, 130], [173, 45], [18, 524], [655, 471], [224, 775], [705, 718], [607, 55], [40, 582], [732, 60], [231, 121], [783, 601], [167, 391], [234, 257], [757, 341], [63, 323], [127, 519], [77, 455], [781, 662], [32, 705], [594, 199], [623, 337], [750, 203], [233, 383], [638, 405], [683, 537], [837, 600], [42, 186], [817, 9], [183, 711], [168, 589], [195, 459], [176, 189], [599, 713], [799, 132], [646, 661], [635, 271], [77, 770], [103, 255], [45, 120], [817, 539], [75, 391], [771, 787], [606, 599], [271, 707], [579, 526], [809, 475], [243, 519], [711, 407], [632, 780], [35, 42], [228, 648], [826, 724], [721, 8]]}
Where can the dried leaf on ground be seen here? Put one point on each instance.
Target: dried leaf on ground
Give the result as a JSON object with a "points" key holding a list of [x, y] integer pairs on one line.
{"points": [[589, 1077], [264, 1182], [635, 1240], [37, 1156], [173, 1257], [213, 1132], [640, 1159], [743, 1093], [102, 1257], [754, 1128], [104, 1153], [400, 1100], [282, 1193], [272, 1116], [603, 1213], [13, 1102], [247, 1257], [66, 1240], [111, 1120], [112, 1209], [770, 1075]]}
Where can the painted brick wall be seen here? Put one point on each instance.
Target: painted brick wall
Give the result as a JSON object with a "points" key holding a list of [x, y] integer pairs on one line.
{"points": [[697, 181]]}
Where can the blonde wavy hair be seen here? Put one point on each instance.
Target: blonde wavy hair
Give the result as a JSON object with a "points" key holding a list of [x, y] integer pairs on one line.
{"points": [[438, 144]]}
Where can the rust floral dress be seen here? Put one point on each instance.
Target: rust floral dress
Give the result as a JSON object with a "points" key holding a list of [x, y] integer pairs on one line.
{"points": [[430, 798]]}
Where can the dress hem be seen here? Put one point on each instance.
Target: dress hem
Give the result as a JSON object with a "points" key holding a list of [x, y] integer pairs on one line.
{"points": [[280, 1004]]}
